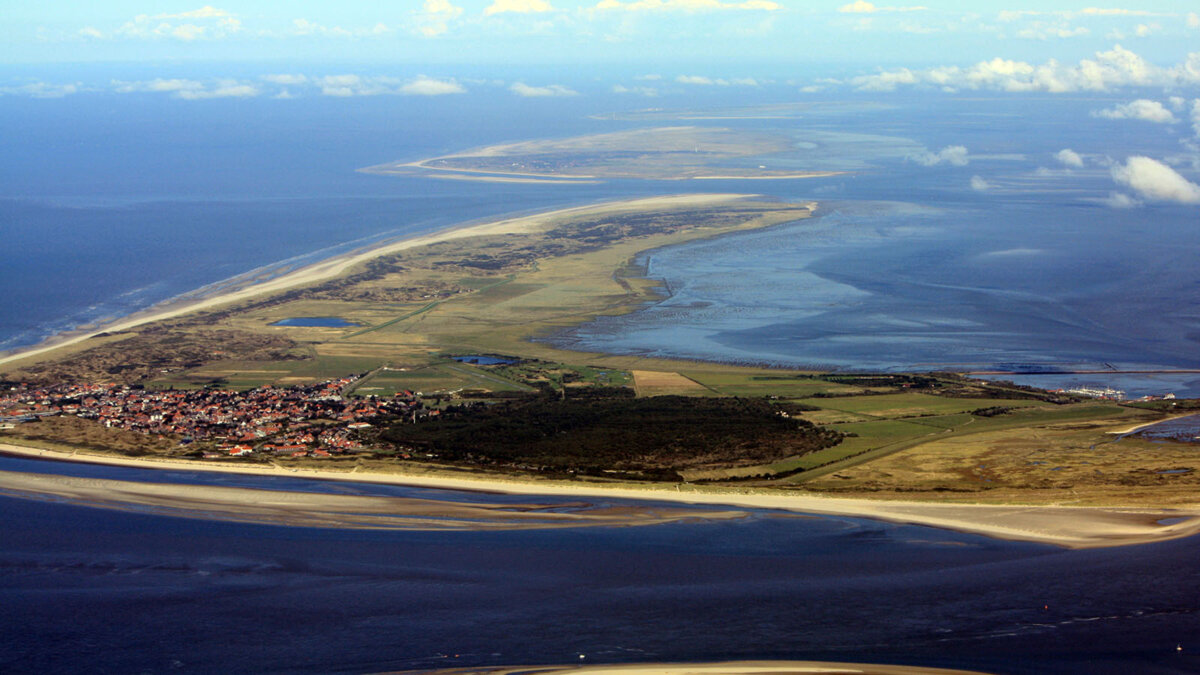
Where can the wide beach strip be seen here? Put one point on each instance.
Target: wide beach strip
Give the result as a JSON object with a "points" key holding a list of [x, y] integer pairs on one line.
{"points": [[1068, 526]]}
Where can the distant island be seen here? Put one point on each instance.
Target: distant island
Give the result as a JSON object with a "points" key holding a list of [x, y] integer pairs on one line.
{"points": [[661, 153]]}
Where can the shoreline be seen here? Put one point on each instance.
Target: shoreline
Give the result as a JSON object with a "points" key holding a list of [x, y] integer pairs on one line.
{"points": [[340, 264], [1146, 425], [1073, 527], [714, 668]]}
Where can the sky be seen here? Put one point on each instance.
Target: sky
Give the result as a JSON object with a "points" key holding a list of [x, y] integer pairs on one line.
{"points": [[1144, 56], [779, 34]]}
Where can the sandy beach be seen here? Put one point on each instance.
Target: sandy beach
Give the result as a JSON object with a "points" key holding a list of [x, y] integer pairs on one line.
{"points": [[1146, 425], [333, 267], [726, 668], [1066, 526]]}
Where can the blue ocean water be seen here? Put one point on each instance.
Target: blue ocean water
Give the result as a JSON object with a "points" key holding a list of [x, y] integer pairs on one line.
{"points": [[104, 591]]}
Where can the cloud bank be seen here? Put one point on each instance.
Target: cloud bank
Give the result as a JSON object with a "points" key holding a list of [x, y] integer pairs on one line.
{"points": [[1112, 69], [1070, 158], [954, 155], [1141, 109], [550, 90], [1155, 181]]}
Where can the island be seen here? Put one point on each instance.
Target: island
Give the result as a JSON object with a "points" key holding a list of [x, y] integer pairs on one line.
{"points": [[433, 363], [657, 153]]}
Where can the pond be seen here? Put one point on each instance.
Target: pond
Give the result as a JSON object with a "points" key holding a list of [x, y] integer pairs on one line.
{"points": [[315, 322]]}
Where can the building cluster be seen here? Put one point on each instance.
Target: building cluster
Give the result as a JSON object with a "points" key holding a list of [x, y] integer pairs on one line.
{"points": [[308, 420]]}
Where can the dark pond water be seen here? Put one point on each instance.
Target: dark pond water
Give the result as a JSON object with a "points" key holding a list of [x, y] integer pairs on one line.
{"points": [[315, 322]]}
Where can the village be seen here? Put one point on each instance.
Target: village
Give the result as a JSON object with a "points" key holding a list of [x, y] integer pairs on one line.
{"points": [[315, 420]]}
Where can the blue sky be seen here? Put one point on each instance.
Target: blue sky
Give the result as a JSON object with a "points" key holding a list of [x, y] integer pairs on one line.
{"points": [[763, 33]]}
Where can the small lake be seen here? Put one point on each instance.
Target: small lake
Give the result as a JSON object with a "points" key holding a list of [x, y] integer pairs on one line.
{"points": [[315, 322], [478, 360]]}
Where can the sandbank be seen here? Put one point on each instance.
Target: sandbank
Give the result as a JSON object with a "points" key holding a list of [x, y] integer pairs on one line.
{"points": [[1067, 526], [726, 668], [336, 266], [344, 511]]}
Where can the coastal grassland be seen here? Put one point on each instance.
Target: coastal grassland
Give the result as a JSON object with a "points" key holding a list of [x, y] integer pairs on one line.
{"points": [[872, 439], [659, 153], [659, 383], [1063, 455], [911, 404], [71, 434], [486, 295], [481, 289], [768, 382]]}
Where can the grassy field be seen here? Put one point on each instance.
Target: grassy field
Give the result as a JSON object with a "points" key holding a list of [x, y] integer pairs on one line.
{"points": [[447, 299], [1065, 458], [912, 404]]}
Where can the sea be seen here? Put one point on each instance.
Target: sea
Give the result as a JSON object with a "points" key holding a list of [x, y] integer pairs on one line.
{"points": [[995, 257], [101, 591]]}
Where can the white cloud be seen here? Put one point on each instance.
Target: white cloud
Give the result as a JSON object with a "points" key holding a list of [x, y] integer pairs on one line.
{"points": [[886, 81], [686, 5], [644, 91], [954, 155], [1141, 109], [522, 89], [1155, 181], [518, 7], [1068, 157], [434, 17], [979, 184], [191, 90], [1120, 200], [207, 22], [427, 86], [1193, 20], [1014, 15], [304, 27], [43, 89], [225, 90], [1113, 11], [356, 85], [1108, 70], [90, 32], [205, 12], [1146, 29], [156, 85], [1014, 253], [717, 81], [188, 31], [285, 78], [1045, 31], [862, 7]]}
